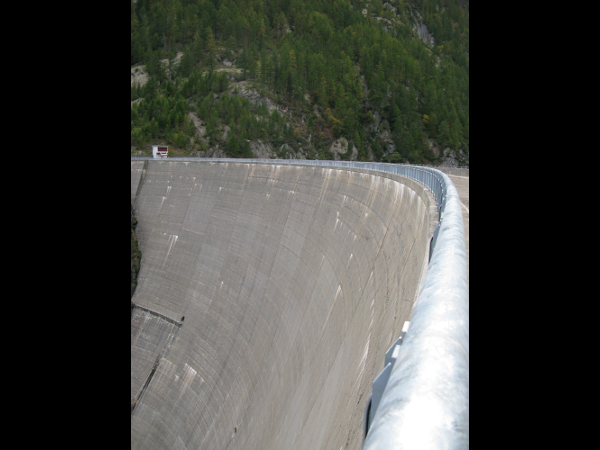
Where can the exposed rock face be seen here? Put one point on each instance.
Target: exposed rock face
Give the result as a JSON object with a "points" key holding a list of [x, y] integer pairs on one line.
{"points": [[174, 63], [212, 153], [225, 131], [384, 134], [421, 30], [301, 153], [390, 147], [375, 123], [434, 148], [197, 123], [454, 159], [449, 158], [339, 146], [370, 154], [388, 22], [253, 96], [231, 72], [363, 82], [139, 75], [286, 152], [389, 5], [261, 150]]}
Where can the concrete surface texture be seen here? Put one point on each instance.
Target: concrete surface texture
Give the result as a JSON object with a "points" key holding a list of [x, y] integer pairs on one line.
{"points": [[268, 296], [462, 187]]}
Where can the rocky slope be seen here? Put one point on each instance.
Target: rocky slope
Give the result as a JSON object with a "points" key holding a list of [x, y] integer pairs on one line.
{"points": [[314, 140]]}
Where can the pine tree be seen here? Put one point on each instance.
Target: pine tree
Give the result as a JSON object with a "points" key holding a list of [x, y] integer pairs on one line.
{"points": [[280, 25], [246, 31], [293, 63], [197, 47], [444, 133], [210, 41], [323, 101], [290, 86], [263, 67], [246, 152], [252, 63], [262, 34]]}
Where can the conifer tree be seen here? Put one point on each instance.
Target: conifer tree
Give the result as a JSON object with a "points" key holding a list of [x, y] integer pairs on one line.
{"points": [[334, 55], [209, 45], [246, 31]]}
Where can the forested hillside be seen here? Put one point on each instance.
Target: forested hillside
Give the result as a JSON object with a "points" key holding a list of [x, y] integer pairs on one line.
{"points": [[324, 79]]}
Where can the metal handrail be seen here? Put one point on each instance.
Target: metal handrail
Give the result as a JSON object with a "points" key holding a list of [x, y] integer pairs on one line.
{"points": [[425, 404]]}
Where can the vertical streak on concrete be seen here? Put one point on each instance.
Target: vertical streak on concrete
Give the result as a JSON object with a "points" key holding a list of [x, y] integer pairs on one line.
{"points": [[138, 173]]}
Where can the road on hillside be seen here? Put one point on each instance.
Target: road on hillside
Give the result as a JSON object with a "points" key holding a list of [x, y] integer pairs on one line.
{"points": [[462, 186]]}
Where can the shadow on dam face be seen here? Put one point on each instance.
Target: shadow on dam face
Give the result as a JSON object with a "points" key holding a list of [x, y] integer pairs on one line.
{"points": [[293, 280]]}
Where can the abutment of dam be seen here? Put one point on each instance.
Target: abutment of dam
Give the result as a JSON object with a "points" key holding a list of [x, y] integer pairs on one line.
{"points": [[267, 297]]}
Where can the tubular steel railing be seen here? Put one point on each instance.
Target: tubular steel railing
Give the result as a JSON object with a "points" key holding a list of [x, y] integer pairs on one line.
{"points": [[425, 403]]}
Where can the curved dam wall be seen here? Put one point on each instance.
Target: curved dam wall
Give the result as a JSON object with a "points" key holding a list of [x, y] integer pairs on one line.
{"points": [[266, 300]]}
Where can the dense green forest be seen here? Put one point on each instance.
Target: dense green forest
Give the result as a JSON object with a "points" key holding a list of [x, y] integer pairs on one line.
{"points": [[298, 75]]}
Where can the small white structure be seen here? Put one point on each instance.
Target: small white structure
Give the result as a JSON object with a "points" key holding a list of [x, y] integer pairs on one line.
{"points": [[160, 151]]}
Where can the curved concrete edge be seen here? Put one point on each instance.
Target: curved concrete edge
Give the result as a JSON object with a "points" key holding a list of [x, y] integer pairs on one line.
{"points": [[425, 404]]}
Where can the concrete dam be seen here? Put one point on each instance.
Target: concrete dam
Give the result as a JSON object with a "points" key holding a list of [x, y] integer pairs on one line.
{"points": [[267, 297]]}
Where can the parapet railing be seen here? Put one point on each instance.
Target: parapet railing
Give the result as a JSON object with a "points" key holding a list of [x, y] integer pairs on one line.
{"points": [[425, 402]]}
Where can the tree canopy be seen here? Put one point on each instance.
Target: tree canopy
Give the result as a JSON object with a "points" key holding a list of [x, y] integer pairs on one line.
{"points": [[365, 76]]}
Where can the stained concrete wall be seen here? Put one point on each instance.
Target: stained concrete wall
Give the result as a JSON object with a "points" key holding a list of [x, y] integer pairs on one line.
{"points": [[293, 280], [138, 172]]}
